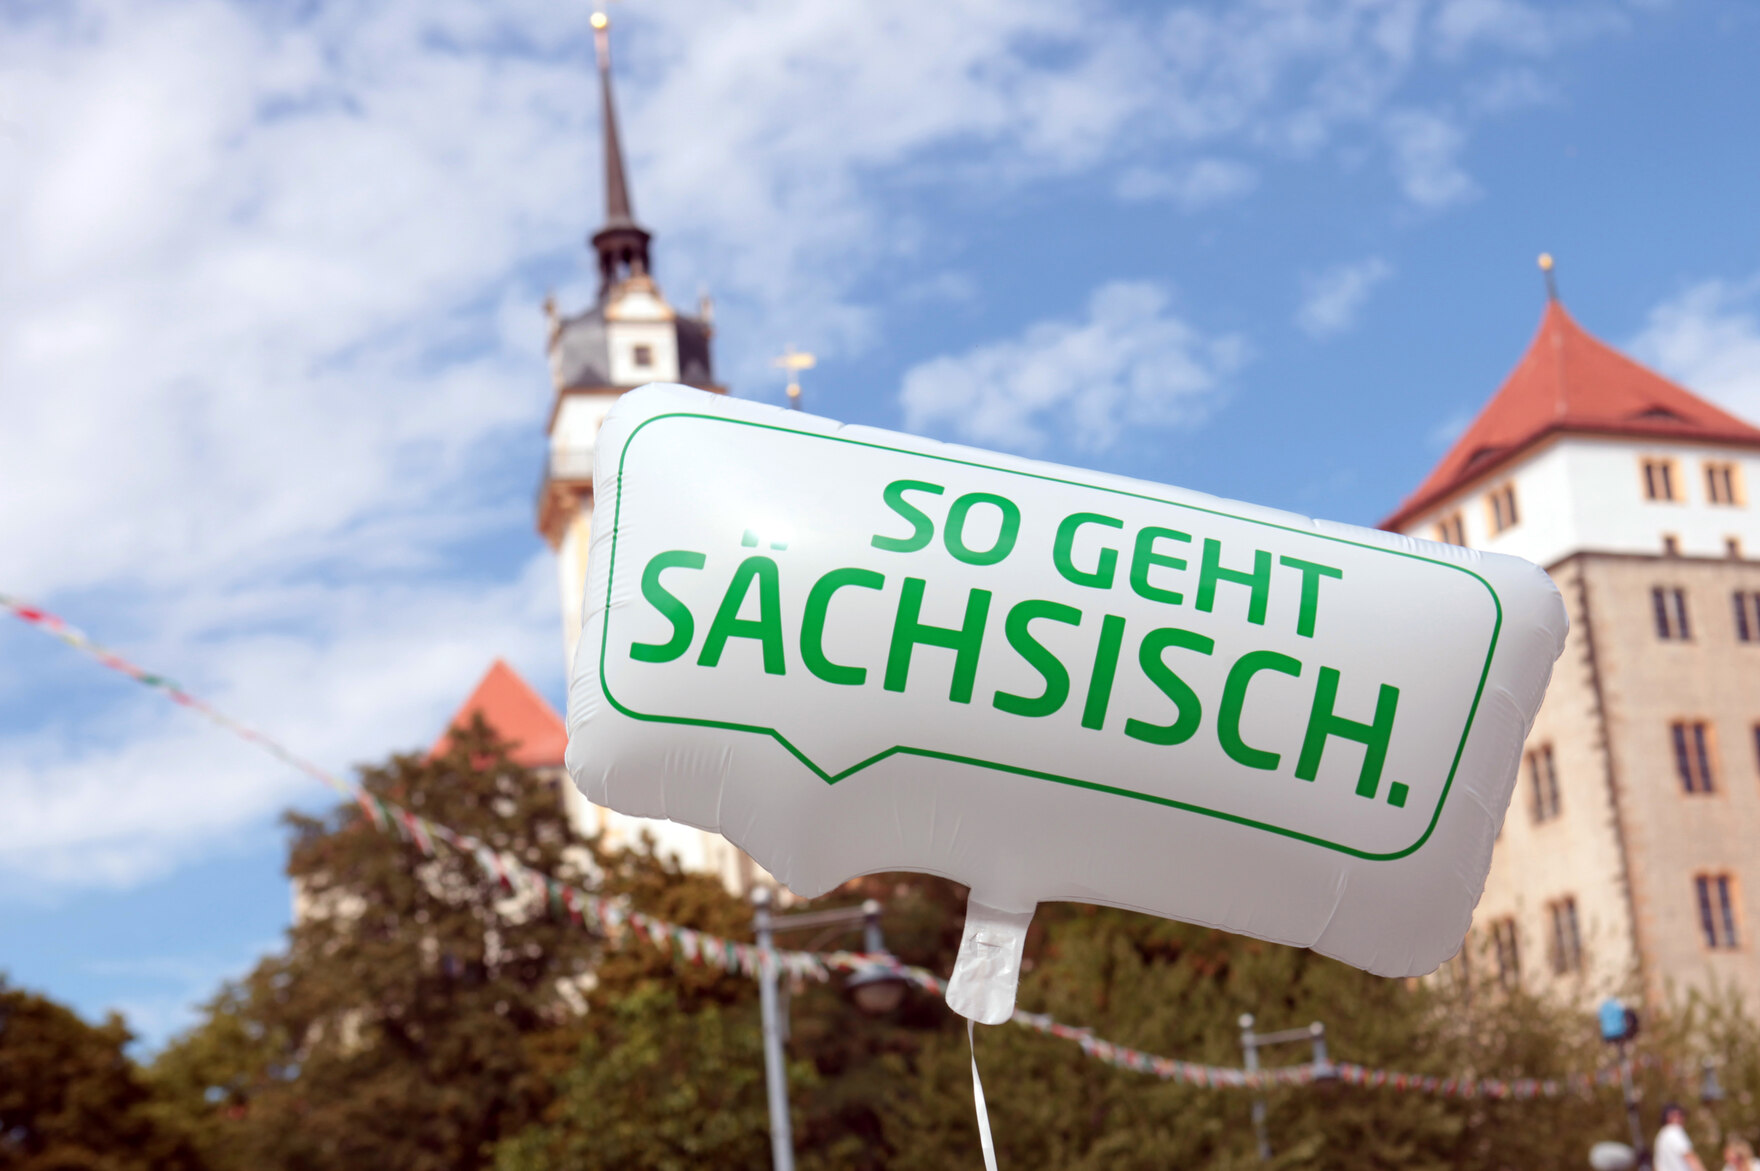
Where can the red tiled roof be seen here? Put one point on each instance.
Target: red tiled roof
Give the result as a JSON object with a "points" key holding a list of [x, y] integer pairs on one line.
{"points": [[1569, 381], [517, 714]]}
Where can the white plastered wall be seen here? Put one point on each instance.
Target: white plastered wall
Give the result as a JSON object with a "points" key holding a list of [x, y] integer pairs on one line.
{"points": [[1585, 493], [640, 317]]}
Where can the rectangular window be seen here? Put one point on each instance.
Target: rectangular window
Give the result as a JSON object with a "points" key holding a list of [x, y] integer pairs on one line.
{"points": [[1721, 484], [1566, 951], [1502, 502], [1717, 911], [1543, 777], [1733, 546], [1671, 545], [1659, 479], [1508, 951], [1692, 755], [1450, 530], [1747, 606], [1669, 607], [644, 356]]}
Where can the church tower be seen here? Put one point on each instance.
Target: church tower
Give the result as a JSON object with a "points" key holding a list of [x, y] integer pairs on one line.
{"points": [[1629, 848], [629, 336]]}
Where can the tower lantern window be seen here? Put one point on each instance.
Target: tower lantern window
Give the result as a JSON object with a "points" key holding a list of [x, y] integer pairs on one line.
{"points": [[643, 356]]}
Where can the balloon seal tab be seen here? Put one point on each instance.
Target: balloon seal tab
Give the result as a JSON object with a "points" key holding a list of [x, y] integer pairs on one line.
{"points": [[988, 969]]}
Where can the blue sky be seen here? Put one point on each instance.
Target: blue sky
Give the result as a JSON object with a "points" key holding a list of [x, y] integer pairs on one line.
{"points": [[271, 346]]}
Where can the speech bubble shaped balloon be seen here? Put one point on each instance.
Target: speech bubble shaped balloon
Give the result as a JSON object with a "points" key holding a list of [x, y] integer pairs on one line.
{"points": [[850, 650]]}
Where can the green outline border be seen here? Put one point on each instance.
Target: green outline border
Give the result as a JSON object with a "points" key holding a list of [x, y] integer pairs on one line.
{"points": [[832, 779]]}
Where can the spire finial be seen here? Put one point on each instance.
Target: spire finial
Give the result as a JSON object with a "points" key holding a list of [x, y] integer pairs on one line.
{"points": [[794, 361], [622, 244], [1551, 283]]}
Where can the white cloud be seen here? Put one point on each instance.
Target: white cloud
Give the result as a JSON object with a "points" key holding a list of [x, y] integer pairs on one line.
{"points": [[246, 242], [816, 126], [1332, 300], [350, 675], [270, 344], [1510, 90], [1462, 25], [1205, 182], [947, 287], [1426, 158], [1522, 29], [1708, 339], [1128, 364]]}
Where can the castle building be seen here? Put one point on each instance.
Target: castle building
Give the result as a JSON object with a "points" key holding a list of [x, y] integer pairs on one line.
{"points": [[629, 336], [1625, 856]]}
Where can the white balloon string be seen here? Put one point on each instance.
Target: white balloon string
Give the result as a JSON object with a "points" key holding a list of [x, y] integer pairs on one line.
{"points": [[984, 1138]]}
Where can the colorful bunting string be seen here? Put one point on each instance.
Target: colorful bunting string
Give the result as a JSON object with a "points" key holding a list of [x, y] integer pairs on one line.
{"points": [[615, 920]]}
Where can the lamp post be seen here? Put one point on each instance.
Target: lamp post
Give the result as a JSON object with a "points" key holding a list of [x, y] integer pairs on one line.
{"points": [[775, 1086], [1251, 1042], [1711, 1095], [875, 992], [1619, 1025]]}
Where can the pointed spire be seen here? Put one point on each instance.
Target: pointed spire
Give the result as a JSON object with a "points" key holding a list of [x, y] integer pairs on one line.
{"points": [[622, 244], [617, 208]]}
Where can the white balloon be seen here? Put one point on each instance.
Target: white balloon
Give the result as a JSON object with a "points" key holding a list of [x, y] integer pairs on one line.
{"points": [[851, 651]]}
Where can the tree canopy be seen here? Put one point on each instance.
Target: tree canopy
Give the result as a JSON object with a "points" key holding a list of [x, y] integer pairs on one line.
{"points": [[72, 1100], [425, 1017]]}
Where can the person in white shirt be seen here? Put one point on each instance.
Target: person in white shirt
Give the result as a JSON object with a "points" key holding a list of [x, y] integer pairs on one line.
{"points": [[1674, 1150]]}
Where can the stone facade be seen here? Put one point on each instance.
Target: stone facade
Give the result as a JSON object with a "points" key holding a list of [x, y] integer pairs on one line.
{"points": [[1627, 840], [1624, 860]]}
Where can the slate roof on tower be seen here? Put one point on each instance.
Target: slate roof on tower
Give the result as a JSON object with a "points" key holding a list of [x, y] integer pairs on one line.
{"points": [[517, 714], [1571, 382]]}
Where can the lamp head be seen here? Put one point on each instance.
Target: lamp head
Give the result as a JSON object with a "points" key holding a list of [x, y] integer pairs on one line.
{"points": [[876, 991]]}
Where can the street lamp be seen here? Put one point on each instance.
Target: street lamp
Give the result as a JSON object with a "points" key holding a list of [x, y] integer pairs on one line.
{"points": [[1711, 1094], [1619, 1025], [1251, 1042], [879, 989], [1710, 1090], [875, 991]]}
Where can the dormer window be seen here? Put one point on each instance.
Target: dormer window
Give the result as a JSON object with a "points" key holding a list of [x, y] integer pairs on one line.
{"points": [[1659, 480], [1502, 506], [1451, 530], [643, 356]]}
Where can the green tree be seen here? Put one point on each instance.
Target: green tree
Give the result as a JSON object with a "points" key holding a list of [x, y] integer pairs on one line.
{"points": [[410, 1023], [671, 1073], [72, 1100], [426, 1017], [658, 1086], [1178, 990]]}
